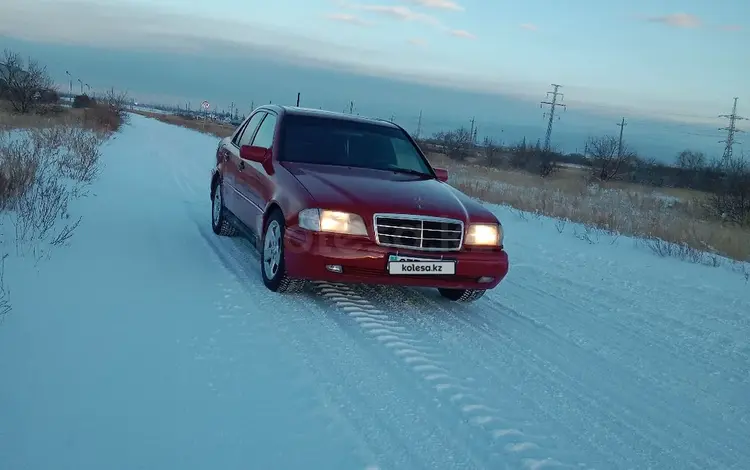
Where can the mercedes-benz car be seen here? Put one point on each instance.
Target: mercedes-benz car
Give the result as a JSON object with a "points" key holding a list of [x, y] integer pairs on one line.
{"points": [[341, 198]]}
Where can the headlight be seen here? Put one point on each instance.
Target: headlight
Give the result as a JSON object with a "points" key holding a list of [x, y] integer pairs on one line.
{"points": [[320, 220], [485, 235]]}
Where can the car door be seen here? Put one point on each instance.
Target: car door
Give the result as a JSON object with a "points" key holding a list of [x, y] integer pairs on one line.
{"points": [[228, 167], [243, 207], [254, 180]]}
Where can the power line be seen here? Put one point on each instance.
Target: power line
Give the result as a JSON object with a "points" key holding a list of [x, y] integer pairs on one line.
{"points": [[552, 104], [621, 125], [731, 130]]}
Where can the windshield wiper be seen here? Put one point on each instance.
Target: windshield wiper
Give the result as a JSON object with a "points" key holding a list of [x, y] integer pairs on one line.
{"points": [[408, 171]]}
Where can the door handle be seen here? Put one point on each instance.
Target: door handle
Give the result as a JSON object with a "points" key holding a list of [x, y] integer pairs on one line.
{"points": [[242, 164]]}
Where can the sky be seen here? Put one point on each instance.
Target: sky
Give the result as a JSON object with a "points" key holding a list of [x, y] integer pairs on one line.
{"points": [[679, 61]]}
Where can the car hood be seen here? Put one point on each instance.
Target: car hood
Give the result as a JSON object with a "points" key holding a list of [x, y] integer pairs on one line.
{"points": [[365, 191]]}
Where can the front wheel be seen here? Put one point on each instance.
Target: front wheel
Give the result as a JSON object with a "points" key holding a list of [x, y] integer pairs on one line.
{"points": [[462, 295], [219, 222], [272, 266]]}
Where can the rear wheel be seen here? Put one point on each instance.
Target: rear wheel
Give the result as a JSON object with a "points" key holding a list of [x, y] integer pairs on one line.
{"points": [[462, 295], [272, 265], [219, 222]]}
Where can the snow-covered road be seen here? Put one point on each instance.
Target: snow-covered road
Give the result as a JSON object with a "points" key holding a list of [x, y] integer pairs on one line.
{"points": [[151, 343]]}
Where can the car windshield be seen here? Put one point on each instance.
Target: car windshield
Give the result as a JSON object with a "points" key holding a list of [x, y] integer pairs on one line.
{"points": [[330, 141]]}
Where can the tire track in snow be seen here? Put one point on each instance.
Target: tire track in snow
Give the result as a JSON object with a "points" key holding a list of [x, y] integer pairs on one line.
{"points": [[615, 338], [397, 430], [659, 307], [519, 449], [643, 414], [506, 374], [237, 256], [656, 324]]}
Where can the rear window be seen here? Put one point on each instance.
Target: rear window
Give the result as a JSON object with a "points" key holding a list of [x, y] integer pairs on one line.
{"points": [[326, 141]]}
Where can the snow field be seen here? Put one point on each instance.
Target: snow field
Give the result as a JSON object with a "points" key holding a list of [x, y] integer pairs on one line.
{"points": [[150, 342]]}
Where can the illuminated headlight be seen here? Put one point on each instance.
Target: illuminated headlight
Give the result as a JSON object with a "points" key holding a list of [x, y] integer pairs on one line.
{"points": [[485, 235], [320, 220]]}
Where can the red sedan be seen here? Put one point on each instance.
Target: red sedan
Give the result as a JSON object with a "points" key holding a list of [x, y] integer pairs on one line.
{"points": [[336, 197]]}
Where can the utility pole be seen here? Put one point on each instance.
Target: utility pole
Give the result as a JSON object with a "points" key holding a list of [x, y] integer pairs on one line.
{"points": [[298, 99], [621, 125], [553, 105], [419, 124], [731, 130], [351, 107], [471, 131]]}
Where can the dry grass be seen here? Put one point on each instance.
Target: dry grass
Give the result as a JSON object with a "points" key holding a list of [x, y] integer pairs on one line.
{"points": [[46, 162], [100, 118], [217, 129], [672, 223]]}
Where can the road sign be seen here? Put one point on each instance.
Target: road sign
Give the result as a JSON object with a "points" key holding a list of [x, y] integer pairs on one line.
{"points": [[205, 105]]}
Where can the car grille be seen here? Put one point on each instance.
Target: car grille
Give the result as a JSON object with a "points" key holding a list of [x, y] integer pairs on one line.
{"points": [[418, 232]]}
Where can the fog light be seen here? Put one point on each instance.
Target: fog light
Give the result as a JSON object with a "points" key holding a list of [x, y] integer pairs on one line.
{"points": [[486, 279], [335, 268]]}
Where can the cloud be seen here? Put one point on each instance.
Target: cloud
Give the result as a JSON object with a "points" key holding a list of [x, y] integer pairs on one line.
{"points": [[460, 33], [731, 27], [438, 4], [348, 18], [677, 20], [530, 27], [417, 42], [400, 13]]}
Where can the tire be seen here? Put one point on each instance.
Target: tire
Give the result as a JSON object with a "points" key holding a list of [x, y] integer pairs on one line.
{"points": [[272, 263], [462, 295], [219, 222]]}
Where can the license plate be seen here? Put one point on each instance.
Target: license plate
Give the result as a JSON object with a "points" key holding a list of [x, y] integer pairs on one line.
{"points": [[393, 258], [422, 267]]}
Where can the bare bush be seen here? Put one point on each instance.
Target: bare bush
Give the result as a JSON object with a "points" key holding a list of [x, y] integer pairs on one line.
{"points": [[547, 165], [5, 306], [456, 144], [690, 160], [42, 171], [608, 160], [24, 85], [731, 198], [107, 114], [493, 152]]}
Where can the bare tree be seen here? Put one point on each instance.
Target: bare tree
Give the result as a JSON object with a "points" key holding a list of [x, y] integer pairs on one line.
{"points": [[547, 164], [23, 84], [492, 151], [689, 160], [456, 144], [607, 159]]}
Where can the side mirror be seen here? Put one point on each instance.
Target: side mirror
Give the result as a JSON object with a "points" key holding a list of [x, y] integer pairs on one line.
{"points": [[442, 174], [252, 153]]}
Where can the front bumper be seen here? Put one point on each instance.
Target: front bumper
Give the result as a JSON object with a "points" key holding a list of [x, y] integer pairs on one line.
{"points": [[362, 261]]}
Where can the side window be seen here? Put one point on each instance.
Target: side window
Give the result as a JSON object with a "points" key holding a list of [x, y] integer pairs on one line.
{"points": [[240, 130], [247, 134], [264, 137], [407, 155]]}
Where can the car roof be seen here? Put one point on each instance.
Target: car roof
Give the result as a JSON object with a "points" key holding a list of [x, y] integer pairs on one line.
{"points": [[320, 113]]}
